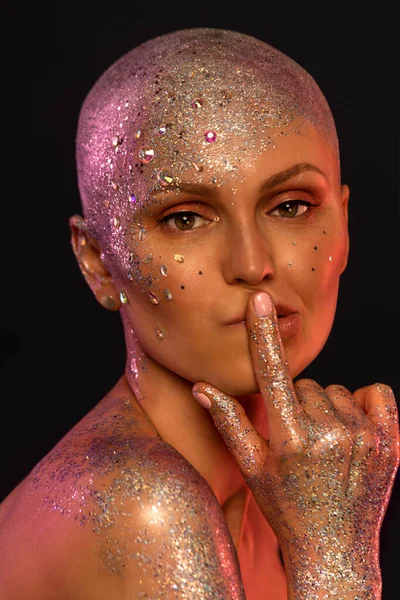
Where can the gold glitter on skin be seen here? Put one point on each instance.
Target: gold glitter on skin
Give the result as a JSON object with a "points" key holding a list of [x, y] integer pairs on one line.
{"points": [[343, 455], [253, 120], [102, 484]]}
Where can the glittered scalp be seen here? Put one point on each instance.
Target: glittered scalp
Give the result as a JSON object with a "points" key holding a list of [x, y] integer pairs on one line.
{"points": [[196, 101]]}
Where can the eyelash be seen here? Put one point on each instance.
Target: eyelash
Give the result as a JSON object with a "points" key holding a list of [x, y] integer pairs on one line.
{"points": [[165, 219]]}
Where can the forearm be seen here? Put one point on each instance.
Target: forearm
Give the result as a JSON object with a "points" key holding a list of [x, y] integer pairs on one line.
{"points": [[333, 574]]}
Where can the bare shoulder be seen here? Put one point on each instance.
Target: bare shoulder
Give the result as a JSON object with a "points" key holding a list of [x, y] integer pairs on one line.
{"points": [[114, 511]]}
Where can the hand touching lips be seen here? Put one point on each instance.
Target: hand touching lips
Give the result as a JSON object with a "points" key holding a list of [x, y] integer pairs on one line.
{"points": [[329, 451], [289, 320]]}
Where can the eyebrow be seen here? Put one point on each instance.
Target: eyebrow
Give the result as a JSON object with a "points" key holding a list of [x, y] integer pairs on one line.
{"points": [[268, 184]]}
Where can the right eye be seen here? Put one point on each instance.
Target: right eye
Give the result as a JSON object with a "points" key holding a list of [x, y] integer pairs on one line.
{"points": [[183, 221]]}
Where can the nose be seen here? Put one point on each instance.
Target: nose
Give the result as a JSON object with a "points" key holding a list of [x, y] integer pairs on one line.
{"points": [[248, 255]]}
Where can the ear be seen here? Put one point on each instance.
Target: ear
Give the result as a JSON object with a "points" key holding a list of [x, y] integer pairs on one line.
{"points": [[345, 195], [88, 254]]}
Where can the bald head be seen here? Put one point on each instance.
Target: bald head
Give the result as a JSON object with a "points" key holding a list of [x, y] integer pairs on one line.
{"points": [[200, 99]]}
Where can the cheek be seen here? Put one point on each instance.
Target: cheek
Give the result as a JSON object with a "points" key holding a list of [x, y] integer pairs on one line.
{"points": [[162, 284], [317, 258]]}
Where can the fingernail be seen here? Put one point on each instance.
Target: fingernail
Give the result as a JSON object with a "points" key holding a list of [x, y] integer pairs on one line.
{"points": [[202, 399], [262, 304]]}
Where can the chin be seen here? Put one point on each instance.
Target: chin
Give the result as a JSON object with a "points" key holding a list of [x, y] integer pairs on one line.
{"points": [[244, 382]]}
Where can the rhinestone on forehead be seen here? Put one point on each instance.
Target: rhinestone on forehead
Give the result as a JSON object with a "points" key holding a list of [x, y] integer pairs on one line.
{"points": [[197, 100]]}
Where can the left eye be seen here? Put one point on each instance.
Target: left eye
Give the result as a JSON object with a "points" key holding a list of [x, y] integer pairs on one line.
{"points": [[290, 209]]}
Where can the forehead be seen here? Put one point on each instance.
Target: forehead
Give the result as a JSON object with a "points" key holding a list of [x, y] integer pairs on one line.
{"points": [[298, 149]]}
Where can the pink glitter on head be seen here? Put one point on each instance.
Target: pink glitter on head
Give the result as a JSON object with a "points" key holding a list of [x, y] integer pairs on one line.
{"points": [[146, 119]]}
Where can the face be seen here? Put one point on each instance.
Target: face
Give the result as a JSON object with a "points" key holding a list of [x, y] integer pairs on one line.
{"points": [[206, 247]]}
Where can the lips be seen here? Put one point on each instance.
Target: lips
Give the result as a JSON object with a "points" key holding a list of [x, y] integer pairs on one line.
{"points": [[282, 310]]}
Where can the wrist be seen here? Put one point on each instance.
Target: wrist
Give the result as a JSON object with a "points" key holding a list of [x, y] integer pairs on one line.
{"points": [[325, 573]]}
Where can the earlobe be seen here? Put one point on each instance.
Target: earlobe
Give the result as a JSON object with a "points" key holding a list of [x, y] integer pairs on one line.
{"points": [[87, 252]]}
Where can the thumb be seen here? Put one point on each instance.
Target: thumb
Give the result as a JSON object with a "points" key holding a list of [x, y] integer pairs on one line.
{"points": [[248, 447]]}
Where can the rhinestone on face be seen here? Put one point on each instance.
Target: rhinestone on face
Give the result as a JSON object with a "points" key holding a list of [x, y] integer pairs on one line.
{"points": [[138, 134], [210, 136], [162, 130], [179, 258], [164, 178], [142, 234], [123, 297], [116, 141], [146, 155], [197, 103], [115, 185], [167, 294], [164, 270], [130, 276], [132, 198], [198, 168], [147, 259], [159, 332], [116, 222], [153, 298]]}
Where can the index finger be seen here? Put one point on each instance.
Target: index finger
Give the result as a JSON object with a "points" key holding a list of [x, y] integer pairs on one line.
{"points": [[271, 368]]}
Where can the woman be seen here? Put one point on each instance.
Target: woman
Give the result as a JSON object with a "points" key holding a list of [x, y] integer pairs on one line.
{"points": [[216, 223]]}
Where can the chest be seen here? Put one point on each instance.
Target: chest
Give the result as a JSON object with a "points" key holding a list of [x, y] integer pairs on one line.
{"points": [[262, 571]]}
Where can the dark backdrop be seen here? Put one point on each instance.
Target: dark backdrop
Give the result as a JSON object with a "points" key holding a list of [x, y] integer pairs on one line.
{"points": [[61, 352]]}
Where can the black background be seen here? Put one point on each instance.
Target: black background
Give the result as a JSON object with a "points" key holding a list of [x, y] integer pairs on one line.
{"points": [[61, 352]]}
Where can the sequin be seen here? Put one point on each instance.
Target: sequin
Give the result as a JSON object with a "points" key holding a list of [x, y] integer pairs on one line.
{"points": [[167, 294], [197, 103], [142, 234], [159, 332], [123, 297], [138, 134], [146, 155], [114, 185], [116, 141], [179, 258], [153, 298], [116, 222], [147, 259], [164, 270], [210, 136], [198, 168], [164, 178]]}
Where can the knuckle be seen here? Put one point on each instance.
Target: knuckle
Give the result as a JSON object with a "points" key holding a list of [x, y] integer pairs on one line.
{"points": [[306, 382], [383, 389], [366, 442], [336, 388]]}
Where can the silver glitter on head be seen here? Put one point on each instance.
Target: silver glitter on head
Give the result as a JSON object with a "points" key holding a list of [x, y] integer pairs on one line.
{"points": [[198, 101]]}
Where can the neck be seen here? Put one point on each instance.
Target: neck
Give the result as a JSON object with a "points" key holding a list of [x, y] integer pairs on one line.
{"points": [[167, 400]]}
